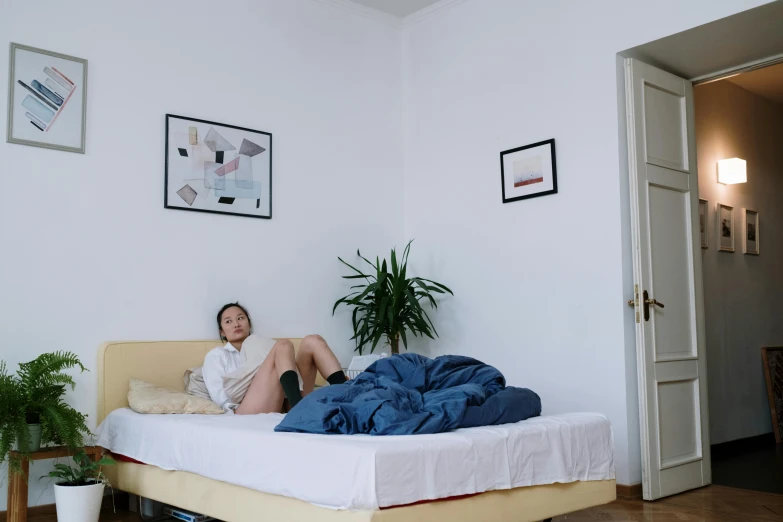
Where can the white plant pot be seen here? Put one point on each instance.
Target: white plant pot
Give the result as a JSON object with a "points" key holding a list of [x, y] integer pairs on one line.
{"points": [[78, 503]]}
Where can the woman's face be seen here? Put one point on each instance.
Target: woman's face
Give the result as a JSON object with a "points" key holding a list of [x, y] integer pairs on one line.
{"points": [[234, 325]]}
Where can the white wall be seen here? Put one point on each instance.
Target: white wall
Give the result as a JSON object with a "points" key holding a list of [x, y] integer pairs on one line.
{"points": [[538, 283], [96, 257], [742, 293], [89, 252]]}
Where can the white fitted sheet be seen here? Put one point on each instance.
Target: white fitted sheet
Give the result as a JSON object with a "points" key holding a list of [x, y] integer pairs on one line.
{"points": [[362, 472]]}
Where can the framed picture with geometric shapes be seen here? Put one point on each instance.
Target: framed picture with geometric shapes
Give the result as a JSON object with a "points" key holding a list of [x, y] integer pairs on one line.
{"points": [[529, 171], [47, 99], [218, 168]]}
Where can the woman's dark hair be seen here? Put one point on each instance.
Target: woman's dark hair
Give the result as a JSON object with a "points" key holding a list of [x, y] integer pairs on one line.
{"points": [[226, 307]]}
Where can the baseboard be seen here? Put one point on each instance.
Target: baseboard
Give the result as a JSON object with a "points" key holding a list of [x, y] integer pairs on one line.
{"points": [[33, 512], [633, 492]]}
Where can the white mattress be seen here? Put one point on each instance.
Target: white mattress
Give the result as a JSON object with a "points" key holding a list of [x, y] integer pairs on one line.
{"points": [[362, 472]]}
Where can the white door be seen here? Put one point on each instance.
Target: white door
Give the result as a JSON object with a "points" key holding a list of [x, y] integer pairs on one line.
{"points": [[668, 301]]}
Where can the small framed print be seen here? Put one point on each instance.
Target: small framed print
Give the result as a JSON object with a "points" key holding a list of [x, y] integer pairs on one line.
{"points": [[750, 238], [703, 222], [47, 99], [725, 228], [529, 171]]}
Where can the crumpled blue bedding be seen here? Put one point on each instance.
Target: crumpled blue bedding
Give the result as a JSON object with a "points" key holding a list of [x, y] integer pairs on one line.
{"points": [[411, 394]]}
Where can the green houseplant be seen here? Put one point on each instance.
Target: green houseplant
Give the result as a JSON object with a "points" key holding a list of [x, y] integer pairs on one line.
{"points": [[387, 303], [32, 400], [79, 490]]}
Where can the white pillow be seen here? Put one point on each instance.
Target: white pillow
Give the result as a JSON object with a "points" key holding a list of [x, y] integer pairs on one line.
{"points": [[144, 397]]}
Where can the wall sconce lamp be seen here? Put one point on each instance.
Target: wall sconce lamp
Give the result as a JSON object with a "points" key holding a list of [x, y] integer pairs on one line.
{"points": [[731, 171]]}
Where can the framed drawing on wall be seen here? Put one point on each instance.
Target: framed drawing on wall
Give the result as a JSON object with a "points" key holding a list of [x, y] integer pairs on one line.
{"points": [[750, 236], [772, 358], [529, 171], [703, 222], [47, 99], [218, 168], [725, 228]]}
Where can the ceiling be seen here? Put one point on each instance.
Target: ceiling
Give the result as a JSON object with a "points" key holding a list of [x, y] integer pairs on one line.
{"points": [[717, 46], [766, 82], [399, 8]]}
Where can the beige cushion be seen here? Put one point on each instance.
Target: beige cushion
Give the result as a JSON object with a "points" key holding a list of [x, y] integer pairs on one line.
{"points": [[194, 382], [144, 397]]}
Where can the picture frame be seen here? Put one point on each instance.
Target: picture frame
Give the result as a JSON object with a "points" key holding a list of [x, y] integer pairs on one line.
{"points": [[217, 168], [772, 360], [703, 223], [47, 99], [751, 233], [725, 228], [529, 171]]}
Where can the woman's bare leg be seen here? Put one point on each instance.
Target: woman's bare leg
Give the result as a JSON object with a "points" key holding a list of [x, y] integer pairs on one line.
{"points": [[265, 394], [315, 355]]}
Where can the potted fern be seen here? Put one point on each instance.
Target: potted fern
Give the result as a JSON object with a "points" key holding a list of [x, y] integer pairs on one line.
{"points": [[79, 492], [387, 303], [32, 409]]}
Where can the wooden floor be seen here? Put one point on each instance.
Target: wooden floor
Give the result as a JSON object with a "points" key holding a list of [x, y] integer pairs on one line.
{"points": [[711, 504]]}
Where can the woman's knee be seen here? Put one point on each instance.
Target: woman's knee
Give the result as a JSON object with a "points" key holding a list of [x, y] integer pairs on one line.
{"points": [[284, 346], [313, 340]]}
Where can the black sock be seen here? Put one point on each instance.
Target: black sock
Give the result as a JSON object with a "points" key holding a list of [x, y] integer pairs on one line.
{"points": [[290, 383], [337, 377]]}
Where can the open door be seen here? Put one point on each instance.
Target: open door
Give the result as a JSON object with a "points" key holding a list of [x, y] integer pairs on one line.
{"points": [[668, 299]]}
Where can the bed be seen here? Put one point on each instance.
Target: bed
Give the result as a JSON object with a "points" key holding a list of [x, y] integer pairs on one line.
{"points": [[459, 476]]}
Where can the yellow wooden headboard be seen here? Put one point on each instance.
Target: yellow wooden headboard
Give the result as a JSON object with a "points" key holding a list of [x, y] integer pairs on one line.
{"points": [[162, 363]]}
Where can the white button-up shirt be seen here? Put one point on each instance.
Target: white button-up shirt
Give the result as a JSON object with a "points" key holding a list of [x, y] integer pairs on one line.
{"points": [[219, 362]]}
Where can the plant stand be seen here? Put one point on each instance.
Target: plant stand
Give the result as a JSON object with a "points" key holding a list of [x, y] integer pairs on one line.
{"points": [[17, 482]]}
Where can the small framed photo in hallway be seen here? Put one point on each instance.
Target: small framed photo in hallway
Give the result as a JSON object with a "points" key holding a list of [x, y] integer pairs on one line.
{"points": [[703, 222], [750, 236], [725, 228]]}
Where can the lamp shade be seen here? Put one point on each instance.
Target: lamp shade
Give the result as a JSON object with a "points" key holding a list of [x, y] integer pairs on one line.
{"points": [[731, 171]]}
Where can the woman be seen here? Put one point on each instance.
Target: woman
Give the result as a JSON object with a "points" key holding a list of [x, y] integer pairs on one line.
{"points": [[277, 377]]}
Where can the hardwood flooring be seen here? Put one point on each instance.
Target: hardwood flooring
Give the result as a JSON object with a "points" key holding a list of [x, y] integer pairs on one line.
{"points": [[710, 504], [755, 463]]}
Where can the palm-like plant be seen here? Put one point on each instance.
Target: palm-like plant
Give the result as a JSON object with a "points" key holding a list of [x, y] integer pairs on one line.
{"points": [[35, 395], [388, 303], [83, 471]]}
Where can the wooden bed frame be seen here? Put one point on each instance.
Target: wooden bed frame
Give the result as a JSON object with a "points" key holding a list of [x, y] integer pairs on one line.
{"points": [[163, 364]]}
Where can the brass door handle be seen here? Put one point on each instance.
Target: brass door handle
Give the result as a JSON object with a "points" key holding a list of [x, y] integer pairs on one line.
{"points": [[647, 302]]}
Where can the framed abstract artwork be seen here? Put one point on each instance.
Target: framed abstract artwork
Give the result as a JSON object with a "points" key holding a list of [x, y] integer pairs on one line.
{"points": [[703, 223], [725, 228], [750, 236], [47, 99], [218, 168], [529, 171]]}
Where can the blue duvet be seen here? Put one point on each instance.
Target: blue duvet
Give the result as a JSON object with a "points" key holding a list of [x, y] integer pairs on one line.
{"points": [[411, 394]]}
